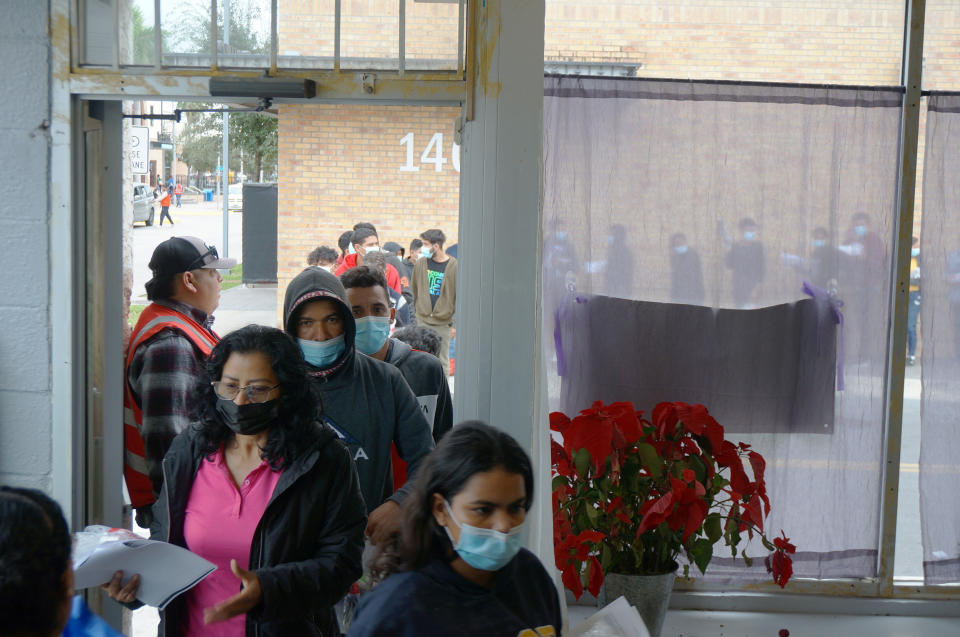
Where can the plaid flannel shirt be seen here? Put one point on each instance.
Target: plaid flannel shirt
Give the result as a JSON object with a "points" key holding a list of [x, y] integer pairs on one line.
{"points": [[165, 376]]}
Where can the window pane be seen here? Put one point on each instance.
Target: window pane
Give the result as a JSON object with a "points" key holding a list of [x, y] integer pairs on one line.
{"points": [[185, 25], [835, 42], [246, 44], [370, 35], [431, 41], [137, 34], [941, 46], [306, 34]]}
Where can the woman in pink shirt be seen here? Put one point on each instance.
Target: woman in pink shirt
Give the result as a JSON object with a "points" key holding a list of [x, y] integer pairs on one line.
{"points": [[264, 491]]}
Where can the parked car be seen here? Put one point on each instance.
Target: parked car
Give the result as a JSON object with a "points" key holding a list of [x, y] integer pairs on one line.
{"points": [[235, 197], [142, 204]]}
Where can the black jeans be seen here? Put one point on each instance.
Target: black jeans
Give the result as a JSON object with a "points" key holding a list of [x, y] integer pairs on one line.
{"points": [[165, 212]]}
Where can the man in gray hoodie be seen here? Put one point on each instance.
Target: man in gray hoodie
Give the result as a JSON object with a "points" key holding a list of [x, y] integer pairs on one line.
{"points": [[372, 311], [366, 401]]}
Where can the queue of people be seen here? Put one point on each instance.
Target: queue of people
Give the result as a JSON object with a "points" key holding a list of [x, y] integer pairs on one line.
{"points": [[278, 454]]}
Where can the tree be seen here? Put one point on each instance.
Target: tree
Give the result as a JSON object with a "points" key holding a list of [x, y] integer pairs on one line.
{"points": [[143, 52], [253, 137], [193, 31]]}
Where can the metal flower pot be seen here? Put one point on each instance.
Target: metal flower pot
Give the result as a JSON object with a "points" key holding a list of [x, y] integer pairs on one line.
{"points": [[649, 594]]}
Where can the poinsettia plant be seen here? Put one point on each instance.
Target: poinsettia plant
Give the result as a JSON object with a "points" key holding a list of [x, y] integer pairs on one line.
{"points": [[630, 495]]}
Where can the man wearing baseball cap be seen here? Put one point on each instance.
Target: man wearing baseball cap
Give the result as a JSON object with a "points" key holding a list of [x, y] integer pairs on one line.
{"points": [[165, 357]]}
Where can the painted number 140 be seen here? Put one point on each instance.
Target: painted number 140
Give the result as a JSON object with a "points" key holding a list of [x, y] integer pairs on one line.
{"points": [[432, 154]]}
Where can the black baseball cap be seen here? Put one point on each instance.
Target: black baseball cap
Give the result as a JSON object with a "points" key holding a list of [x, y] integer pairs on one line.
{"points": [[182, 254], [392, 246]]}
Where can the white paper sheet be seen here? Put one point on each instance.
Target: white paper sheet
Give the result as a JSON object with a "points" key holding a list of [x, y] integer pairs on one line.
{"points": [[165, 570], [618, 619]]}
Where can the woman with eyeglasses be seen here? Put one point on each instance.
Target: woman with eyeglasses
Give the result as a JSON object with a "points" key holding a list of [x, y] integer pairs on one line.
{"points": [[460, 568], [264, 491]]}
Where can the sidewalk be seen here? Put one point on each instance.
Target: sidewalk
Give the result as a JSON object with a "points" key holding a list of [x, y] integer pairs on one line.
{"points": [[241, 306]]}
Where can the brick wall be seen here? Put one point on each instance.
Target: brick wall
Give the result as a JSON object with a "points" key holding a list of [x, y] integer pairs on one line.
{"points": [[344, 164], [341, 164]]}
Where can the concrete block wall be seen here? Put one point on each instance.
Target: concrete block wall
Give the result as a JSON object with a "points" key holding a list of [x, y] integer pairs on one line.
{"points": [[340, 164], [25, 340]]}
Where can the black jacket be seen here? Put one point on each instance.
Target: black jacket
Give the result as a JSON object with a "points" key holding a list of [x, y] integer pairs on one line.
{"points": [[306, 549], [366, 401], [435, 600], [424, 373]]}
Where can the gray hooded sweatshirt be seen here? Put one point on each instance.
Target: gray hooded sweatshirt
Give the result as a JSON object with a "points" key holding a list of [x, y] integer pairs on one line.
{"points": [[366, 401]]}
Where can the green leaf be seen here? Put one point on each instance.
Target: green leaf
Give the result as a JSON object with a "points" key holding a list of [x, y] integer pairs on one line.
{"points": [[713, 527], [699, 468], [767, 544], [701, 552], [558, 481], [593, 514], [650, 459], [581, 458], [605, 558], [747, 559]]}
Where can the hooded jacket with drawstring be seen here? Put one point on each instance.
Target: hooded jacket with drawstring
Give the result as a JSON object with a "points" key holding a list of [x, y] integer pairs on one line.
{"points": [[366, 401]]}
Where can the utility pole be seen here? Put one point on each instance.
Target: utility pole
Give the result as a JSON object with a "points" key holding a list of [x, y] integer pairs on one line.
{"points": [[225, 177]]}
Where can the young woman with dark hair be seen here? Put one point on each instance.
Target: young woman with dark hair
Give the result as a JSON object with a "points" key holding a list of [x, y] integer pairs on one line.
{"points": [[258, 483], [460, 567]]}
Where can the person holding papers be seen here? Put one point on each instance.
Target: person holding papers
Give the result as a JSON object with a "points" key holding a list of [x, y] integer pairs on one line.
{"points": [[266, 492], [461, 567]]}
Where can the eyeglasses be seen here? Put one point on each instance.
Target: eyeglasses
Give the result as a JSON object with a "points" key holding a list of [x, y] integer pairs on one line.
{"points": [[229, 391], [202, 259]]}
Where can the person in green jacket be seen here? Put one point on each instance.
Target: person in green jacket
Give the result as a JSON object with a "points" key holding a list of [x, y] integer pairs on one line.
{"points": [[434, 284]]}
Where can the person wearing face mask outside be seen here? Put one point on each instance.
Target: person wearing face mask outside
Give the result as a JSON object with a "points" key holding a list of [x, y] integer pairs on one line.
{"points": [[402, 303], [686, 275], [323, 257], [460, 568], [367, 295], [263, 490], [434, 285], [363, 240], [366, 401], [746, 261]]}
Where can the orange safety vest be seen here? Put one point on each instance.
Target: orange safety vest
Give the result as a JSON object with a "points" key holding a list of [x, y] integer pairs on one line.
{"points": [[153, 319]]}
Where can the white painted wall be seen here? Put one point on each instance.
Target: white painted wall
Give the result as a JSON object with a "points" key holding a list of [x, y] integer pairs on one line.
{"points": [[25, 259]]}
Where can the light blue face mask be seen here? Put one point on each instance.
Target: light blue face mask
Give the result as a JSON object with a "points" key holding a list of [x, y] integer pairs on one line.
{"points": [[749, 235], [819, 243], [351, 249], [425, 252], [371, 249], [680, 249], [485, 549], [915, 252], [860, 230], [322, 354], [372, 333]]}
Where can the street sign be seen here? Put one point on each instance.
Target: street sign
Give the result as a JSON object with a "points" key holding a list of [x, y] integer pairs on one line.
{"points": [[139, 149]]}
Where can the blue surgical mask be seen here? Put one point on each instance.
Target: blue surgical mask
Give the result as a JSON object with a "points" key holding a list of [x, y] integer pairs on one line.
{"points": [[485, 549], [425, 252], [860, 230], [749, 235], [371, 249], [372, 333], [680, 249], [819, 243], [915, 252], [351, 249], [561, 236], [322, 354]]}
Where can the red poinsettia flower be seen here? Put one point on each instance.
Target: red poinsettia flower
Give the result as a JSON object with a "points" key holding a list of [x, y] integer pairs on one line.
{"points": [[560, 459], [559, 421], [593, 434], [570, 553]]}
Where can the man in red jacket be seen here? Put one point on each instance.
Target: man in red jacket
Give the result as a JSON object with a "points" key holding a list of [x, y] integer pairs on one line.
{"points": [[365, 239]]}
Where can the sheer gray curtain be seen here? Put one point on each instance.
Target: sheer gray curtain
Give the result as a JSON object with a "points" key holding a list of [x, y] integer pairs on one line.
{"points": [[939, 265], [730, 244]]}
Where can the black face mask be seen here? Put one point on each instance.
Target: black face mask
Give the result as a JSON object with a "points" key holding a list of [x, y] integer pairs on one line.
{"points": [[248, 419]]}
